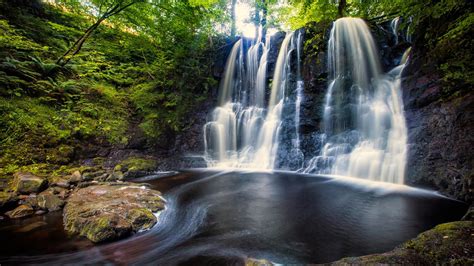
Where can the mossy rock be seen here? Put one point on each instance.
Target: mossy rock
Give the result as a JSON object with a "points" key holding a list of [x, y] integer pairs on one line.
{"points": [[110, 211], [27, 183], [446, 244], [20, 212], [50, 202], [137, 166], [7, 198]]}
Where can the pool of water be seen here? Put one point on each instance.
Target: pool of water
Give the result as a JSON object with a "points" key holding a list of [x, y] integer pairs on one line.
{"points": [[225, 216]]}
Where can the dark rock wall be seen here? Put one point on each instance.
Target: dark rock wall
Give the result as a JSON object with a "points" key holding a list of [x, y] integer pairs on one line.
{"points": [[314, 73], [439, 133]]}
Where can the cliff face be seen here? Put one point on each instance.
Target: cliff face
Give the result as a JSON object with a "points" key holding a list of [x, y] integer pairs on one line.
{"points": [[439, 105], [440, 130]]}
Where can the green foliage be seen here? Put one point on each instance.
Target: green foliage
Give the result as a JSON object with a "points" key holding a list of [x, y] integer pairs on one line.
{"points": [[152, 65]]}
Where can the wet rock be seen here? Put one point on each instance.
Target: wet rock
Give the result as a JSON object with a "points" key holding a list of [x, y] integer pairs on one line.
{"points": [[30, 200], [20, 212], [40, 212], [26, 183], [469, 216], [7, 199], [446, 244], [257, 262], [111, 211], [49, 201]]}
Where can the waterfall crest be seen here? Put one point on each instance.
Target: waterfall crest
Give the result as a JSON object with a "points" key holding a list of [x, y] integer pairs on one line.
{"points": [[365, 132]]}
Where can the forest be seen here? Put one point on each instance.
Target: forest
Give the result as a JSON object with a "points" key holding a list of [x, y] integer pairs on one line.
{"points": [[192, 131]]}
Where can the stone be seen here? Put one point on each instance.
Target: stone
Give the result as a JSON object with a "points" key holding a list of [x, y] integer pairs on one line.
{"points": [[109, 211], [31, 200], [469, 216], [27, 183], [257, 262], [20, 212], [75, 177], [49, 201], [446, 244], [40, 212], [60, 182], [7, 199]]}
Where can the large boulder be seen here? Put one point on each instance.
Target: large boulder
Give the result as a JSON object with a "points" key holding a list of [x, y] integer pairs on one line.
{"points": [[111, 211], [27, 183]]}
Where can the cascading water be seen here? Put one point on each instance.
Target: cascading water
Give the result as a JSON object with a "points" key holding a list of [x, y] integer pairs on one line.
{"points": [[365, 133], [395, 25], [242, 133]]}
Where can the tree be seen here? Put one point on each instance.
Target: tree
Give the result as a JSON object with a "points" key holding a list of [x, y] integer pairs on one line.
{"points": [[341, 8], [104, 10], [233, 27]]}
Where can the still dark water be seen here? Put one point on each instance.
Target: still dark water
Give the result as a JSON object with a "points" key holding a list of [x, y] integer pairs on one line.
{"points": [[221, 217]]}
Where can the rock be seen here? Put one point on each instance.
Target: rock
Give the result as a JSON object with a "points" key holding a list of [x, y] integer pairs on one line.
{"points": [[20, 212], [111, 211], [257, 262], [27, 183], [89, 176], [138, 166], [469, 216], [40, 212], [7, 199], [30, 200], [75, 177], [60, 182], [49, 201], [116, 175], [446, 244]]}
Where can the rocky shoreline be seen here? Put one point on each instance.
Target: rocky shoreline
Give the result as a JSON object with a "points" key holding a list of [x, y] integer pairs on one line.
{"points": [[98, 203]]}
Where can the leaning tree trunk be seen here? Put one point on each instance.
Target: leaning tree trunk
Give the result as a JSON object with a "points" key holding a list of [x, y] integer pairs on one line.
{"points": [[77, 46]]}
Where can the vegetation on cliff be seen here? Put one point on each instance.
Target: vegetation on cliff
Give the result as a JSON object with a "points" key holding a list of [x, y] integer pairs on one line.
{"points": [[136, 69]]}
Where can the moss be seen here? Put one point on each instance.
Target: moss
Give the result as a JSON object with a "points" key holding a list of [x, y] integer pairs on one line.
{"points": [[139, 164], [141, 219], [446, 244]]}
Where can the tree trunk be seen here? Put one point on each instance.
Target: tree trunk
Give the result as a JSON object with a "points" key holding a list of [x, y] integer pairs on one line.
{"points": [[77, 46], [233, 28], [263, 22], [341, 8]]}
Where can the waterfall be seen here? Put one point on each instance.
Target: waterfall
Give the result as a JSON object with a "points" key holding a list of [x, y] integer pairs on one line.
{"points": [[395, 25], [241, 132], [365, 133]]}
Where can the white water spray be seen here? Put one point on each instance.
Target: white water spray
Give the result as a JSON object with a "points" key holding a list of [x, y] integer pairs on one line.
{"points": [[365, 130], [242, 133]]}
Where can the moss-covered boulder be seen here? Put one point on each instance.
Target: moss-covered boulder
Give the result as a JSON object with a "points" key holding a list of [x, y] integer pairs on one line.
{"points": [[111, 211], [20, 212], [49, 201], [446, 244], [26, 183], [134, 167]]}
